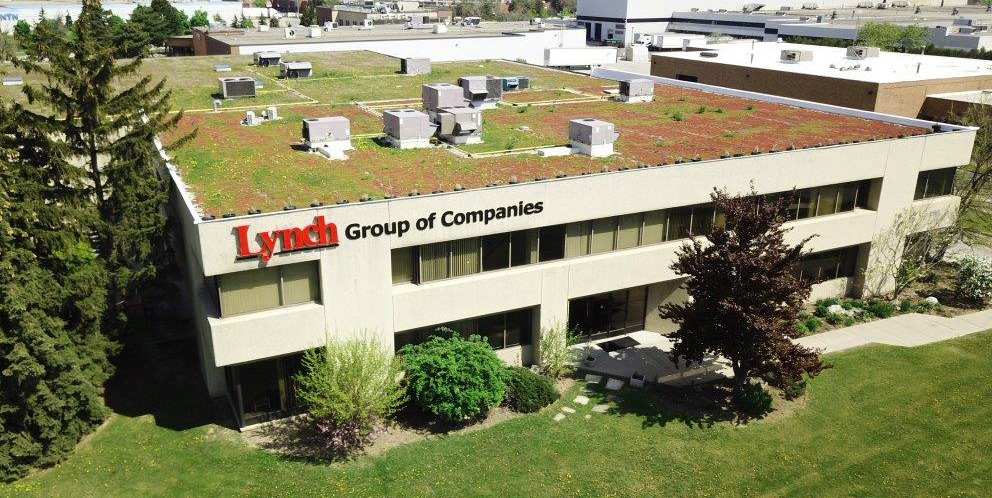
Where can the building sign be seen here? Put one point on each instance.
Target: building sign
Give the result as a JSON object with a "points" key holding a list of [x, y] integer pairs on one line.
{"points": [[318, 234], [322, 234]]}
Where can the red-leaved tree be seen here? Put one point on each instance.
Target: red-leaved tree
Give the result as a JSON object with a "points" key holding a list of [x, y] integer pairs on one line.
{"points": [[743, 296]]}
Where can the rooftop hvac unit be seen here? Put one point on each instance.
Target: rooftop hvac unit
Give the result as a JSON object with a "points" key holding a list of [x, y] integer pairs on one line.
{"points": [[441, 95], [266, 59], [637, 90], [262, 27], [862, 53], [415, 65], [314, 32], [592, 137], [290, 33], [251, 119], [752, 7], [474, 89], [494, 89], [866, 5], [237, 87], [407, 128], [295, 69], [511, 83], [329, 137], [330, 26], [795, 56], [810, 6], [460, 125], [900, 4]]}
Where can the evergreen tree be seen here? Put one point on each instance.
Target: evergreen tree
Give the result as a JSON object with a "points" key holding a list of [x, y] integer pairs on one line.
{"points": [[107, 116], [309, 15], [150, 22], [52, 297], [199, 18]]}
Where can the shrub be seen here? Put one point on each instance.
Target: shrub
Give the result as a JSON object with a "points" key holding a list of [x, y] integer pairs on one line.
{"points": [[880, 309], [347, 387], [677, 116], [847, 321], [794, 390], [974, 281], [811, 322], [905, 306], [528, 392], [822, 305], [454, 378], [558, 359], [801, 328], [753, 400], [701, 109]]}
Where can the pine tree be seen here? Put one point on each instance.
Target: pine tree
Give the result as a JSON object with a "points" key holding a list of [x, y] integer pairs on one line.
{"points": [[107, 116], [744, 299], [309, 15], [54, 355]]}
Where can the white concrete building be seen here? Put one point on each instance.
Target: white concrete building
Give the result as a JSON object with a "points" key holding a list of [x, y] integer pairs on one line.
{"points": [[590, 250], [621, 20]]}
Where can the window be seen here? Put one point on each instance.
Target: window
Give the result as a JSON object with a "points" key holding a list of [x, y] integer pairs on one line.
{"points": [[501, 330], [267, 288], [828, 265], [472, 255], [577, 239], [934, 183], [604, 234], [403, 263], [551, 244], [496, 252], [523, 247]]}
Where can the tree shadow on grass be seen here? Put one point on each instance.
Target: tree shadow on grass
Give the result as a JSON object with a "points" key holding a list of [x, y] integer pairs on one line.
{"points": [[698, 406], [158, 374]]}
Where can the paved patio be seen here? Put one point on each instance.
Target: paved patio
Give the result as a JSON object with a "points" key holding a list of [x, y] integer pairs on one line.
{"points": [[650, 356]]}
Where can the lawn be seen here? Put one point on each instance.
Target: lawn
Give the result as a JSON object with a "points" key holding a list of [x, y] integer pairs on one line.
{"points": [[885, 421]]}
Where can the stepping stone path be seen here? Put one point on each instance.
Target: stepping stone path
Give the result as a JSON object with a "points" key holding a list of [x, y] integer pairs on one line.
{"points": [[614, 384], [600, 408], [582, 400], [568, 409], [594, 379], [588, 416], [559, 417]]}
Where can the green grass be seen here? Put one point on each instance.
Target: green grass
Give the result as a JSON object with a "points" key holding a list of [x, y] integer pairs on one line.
{"points": [[885, 421]]}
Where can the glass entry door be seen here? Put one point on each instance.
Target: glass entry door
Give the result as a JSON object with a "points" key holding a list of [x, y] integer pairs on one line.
{"points": [[608, 314]]}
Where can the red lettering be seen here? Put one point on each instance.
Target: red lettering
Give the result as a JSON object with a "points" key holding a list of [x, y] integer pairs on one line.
{"points": [[243, 250], [292, 239], [268, 245]]}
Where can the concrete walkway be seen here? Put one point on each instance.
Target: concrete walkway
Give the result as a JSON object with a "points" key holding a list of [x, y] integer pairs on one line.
{"points": [[911, 329]]}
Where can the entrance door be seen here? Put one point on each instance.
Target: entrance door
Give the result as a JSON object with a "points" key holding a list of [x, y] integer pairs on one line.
{"points": [[588, 30], [608, 314], [599, 32]]}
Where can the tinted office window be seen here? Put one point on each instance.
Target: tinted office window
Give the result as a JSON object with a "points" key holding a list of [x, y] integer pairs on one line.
{"points": [[403, 264], [523, 247], [269, 287], [495, 251], [552, 243]]}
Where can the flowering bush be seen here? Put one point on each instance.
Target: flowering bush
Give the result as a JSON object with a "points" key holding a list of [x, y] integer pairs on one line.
{"points": [[974, 280], [558, 359]]}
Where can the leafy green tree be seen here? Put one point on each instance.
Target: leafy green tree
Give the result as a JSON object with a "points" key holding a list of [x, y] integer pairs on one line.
{"points": [[913, 38], [106, 116], [880, 34], [743, 297], [173, 18], [22, 29], [247, 23], [218, 19], [149, 22], [54, 356], [200, 18], [261, 4]]}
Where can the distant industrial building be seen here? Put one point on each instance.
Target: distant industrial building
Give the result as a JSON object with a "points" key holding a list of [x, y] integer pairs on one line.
{"points": [[910, 85]]}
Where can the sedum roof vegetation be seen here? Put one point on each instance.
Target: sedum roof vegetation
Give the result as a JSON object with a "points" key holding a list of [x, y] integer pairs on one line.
{"points": [[231, 168]]}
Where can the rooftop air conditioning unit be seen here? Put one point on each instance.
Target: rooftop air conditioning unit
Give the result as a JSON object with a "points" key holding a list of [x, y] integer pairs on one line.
{"points": [[862, 53], [796, 56], [810, 6], [295, 69], [460, 125], [407, 128], [592, 137], [290, 33], [315, 32], [330, 26], [752, 7], [866, 5], [494, 90], [901, 4], [637, 90], [237, 87], [441, 95], [474, 89], [329, 137], [418, 65], [262, 27], [268, 58]]}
